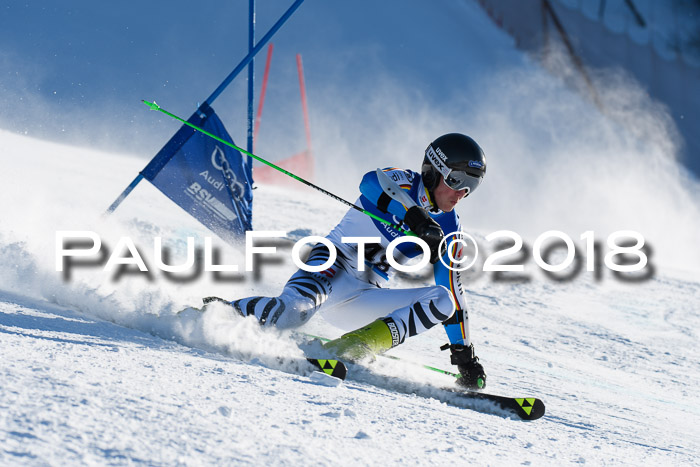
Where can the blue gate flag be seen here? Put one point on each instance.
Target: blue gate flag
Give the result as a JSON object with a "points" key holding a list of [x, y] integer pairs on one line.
{"points": [[209, 180]]}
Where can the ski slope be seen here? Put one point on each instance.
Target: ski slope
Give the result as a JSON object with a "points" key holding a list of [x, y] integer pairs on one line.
{"points": [[101, 369], [97, 371]]}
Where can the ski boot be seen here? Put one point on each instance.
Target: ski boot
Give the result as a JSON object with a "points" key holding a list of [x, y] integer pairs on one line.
{"points": [[366, 342], [471, 371]]}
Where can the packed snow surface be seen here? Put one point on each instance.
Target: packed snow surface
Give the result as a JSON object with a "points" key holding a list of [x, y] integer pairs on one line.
{"points": [[97, 370]]}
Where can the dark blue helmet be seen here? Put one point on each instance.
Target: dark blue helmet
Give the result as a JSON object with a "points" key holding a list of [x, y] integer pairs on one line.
{"points": [[458, 159]]}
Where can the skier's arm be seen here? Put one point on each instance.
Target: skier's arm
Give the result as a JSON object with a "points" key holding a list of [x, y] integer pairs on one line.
{"points": [[373, 191]]}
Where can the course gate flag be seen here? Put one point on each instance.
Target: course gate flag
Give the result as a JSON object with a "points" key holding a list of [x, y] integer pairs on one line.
{"points": [[207, 179]]}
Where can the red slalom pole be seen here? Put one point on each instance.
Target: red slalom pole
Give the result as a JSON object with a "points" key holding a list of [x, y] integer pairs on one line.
{"points": [[262, 94]]}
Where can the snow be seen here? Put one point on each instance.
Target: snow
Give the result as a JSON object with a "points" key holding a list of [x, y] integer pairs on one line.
{"points": [[102, 369], [83, 390]]}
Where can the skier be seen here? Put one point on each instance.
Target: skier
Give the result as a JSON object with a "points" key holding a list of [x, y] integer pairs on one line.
{"points": [[453, 167]]}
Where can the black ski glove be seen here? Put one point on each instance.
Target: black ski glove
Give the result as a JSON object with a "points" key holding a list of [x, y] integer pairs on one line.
{"points": [[425, 227], [472, 374]]}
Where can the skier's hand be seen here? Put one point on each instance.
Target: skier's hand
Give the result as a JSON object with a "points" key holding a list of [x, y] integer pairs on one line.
{"points": [[425, 227]]}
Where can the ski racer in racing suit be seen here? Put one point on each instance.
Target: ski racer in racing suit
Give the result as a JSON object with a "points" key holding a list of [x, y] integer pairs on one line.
{"points": [[453, 167]]}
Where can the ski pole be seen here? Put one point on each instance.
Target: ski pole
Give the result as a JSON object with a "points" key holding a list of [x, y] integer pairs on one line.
{"points": [[154, 106]]}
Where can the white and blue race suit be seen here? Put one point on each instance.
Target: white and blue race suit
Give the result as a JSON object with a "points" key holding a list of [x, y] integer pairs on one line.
{"points": [[351, 290]]}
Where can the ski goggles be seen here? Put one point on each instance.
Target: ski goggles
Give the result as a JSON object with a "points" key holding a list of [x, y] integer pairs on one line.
{"points": [[459, 180]]}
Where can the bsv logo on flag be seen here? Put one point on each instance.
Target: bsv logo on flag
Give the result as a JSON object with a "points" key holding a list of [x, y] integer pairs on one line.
{"points": [[219, 161], [208, 200]]}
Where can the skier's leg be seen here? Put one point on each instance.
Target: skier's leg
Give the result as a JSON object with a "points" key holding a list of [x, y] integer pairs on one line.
{"points": [[427, 307], [418, 310], [302, 296], [304, 293]]}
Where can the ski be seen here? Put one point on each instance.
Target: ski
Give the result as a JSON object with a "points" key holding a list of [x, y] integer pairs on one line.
{"points": [[524, 408], [527, 408], [334, 368]]}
